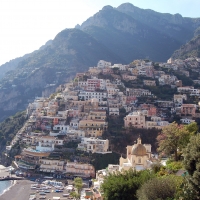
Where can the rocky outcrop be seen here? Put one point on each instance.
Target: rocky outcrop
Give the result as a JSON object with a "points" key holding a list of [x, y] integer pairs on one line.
{"points": [[190, 49], [9, 99]]}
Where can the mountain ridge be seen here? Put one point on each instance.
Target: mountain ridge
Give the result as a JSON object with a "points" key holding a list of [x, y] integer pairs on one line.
{"points": [[117, 35]]}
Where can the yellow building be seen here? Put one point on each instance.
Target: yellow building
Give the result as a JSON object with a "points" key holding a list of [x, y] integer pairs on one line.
{"points": [[97, 115], [51, 165], [93, 127], [88, 123]]}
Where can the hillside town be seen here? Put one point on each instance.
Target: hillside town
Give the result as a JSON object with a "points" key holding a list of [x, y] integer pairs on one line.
{"points": [[152, 95]]}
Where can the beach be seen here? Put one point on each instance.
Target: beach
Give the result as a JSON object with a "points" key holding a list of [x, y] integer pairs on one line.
{"points": [[19, 191]]}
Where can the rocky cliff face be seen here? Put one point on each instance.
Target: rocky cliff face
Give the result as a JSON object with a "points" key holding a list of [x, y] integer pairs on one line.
{"points": [[190, 49], [8, 98], [133, 33]]}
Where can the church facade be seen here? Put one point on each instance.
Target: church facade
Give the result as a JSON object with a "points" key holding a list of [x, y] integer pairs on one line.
{"points": [[138, 157]]}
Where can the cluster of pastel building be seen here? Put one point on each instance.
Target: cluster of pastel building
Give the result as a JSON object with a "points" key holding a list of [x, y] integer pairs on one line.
{"points": [[78, 111]]}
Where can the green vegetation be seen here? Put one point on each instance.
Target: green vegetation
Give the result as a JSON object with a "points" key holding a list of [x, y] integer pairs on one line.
{"points": [[101, 161], [9, 128], [190, 49], [123, 186], [78, 183], [186, 81], [164, 92], [192, 165], [174, 138], [160, 188], [75, 195], [174, 166]]}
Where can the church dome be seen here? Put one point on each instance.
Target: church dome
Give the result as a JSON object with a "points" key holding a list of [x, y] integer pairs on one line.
{"points": [[139, 150]]}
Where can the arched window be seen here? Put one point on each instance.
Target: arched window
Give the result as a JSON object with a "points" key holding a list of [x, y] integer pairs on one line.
{"points": [[139, 160]]}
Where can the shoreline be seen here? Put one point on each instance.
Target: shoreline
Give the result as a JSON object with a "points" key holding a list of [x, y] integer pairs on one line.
{"points": [[19, 191], [13, 183]]}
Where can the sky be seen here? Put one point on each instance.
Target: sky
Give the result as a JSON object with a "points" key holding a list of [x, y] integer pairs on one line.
{"points": [[25, 25]]}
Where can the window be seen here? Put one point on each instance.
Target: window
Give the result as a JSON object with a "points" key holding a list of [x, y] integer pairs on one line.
{"points": [[139, 160]]}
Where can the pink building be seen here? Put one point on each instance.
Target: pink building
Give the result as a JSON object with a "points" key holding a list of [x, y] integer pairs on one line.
{"points": [[131, 99], [135, 119], [152, 110], [80, 169], [188, 109], [73, 113], [107, 71], [95, 83]]}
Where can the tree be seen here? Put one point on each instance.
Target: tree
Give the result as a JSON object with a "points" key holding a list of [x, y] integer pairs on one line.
{"points": [[160, 188], [78, 183], [192, 128], [192, 164], [75, 195], [173, 139], [123, 186]]}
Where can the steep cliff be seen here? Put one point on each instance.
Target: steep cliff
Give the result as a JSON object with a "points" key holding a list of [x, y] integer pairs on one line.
{"points": [[133, 33], [190, 49]]}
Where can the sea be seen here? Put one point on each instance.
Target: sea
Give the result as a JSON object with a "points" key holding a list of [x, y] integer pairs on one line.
{"points": [[4, 186]]}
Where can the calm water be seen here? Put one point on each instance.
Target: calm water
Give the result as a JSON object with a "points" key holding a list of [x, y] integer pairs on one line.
{"points": [[4, 185]]}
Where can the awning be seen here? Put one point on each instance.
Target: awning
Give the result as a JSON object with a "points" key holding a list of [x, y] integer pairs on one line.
{"points": [[56, 198]]}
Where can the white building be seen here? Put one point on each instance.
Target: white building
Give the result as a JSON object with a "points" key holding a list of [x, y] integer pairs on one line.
{"points": [[112, 91], [156, 122], [59, 127], [87, 95], [194, 92], [47, 143], [113, 111], [103, 64], [94, 145], [74, 123], [120, 66], [178, 99], [186, 121], [73, 134], [185, 89]]}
